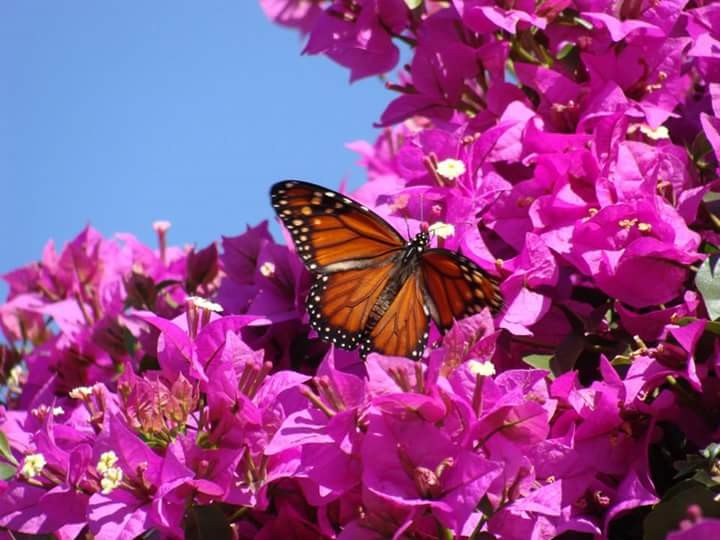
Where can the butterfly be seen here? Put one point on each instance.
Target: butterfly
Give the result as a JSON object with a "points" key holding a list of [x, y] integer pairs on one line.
{"points": [[371, 288]]}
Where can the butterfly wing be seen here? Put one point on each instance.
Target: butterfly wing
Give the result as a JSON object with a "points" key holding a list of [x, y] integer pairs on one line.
{"points": [[455, 287], [340, 303], [330, 231], [403, 328], [350, 250]]}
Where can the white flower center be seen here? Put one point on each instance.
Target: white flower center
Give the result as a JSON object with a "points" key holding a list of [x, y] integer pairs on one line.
{"points": [[202, 303], [32, 465], [484, 369], [267, 269], [111, 479], [81, 392], [442, 230], [450, 168], [106, 461]]}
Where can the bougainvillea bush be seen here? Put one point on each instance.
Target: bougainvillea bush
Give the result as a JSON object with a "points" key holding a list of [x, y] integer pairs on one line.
{"points": [[570, 148]]}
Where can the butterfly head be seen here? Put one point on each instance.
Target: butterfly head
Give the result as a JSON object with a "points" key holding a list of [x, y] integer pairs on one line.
{"points": [[420, 241], [423, 237]]}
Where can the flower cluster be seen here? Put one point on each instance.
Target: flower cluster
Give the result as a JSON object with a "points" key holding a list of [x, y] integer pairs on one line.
{"points": [[570, 149]]}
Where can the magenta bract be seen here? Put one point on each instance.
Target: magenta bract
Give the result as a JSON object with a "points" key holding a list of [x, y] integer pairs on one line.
{"points": [[571, 150]]}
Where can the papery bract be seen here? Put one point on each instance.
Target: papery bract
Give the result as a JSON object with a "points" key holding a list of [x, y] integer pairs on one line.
{"points": [[571, 150]]}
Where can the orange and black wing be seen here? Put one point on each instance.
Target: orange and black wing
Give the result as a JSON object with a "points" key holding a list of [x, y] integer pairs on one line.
{"points": [[331, 232], [403, 328], [455, 287], [340, 303]]}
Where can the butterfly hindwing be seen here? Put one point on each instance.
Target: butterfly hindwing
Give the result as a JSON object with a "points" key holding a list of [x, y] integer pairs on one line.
{"points": [[340, 303], [403, 328], [455, 287], [330, 231]]}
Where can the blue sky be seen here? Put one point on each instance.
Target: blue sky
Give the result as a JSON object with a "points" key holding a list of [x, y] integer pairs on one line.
{"points": [[119, 113]]}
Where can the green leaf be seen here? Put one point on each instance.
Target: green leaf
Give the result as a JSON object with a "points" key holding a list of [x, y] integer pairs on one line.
{"points": [[704, 478], [708, 283], [6, 471], [678, 488], [539, 361], [667, 514], [5, 449], [207, 522], [567, 354], [689, 465], [414, 4], [700, 147], [711, 326], [710, 196]]}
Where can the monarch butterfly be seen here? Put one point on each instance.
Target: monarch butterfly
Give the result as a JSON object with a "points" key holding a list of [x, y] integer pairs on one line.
{"points": [[371, 288]]}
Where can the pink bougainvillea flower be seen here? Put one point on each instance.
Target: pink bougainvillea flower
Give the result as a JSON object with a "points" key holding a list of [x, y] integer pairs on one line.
{"points": [[624, 243], [447, 479], [51, 497], [358, 35], [300, 14], [150, 495], [328, 432]]}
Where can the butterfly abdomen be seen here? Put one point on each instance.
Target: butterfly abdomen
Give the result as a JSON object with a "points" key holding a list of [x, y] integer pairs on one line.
{"points": [[386, 297], [405, 266]]}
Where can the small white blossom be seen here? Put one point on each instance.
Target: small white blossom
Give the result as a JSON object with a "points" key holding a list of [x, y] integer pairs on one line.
{"points": [[442, 230], [15, 376], [33, 465], [450, 168], [267, 269], [106, 462], [44, 410], [484, 369], [81, 392], [111, 479], [655, 134], [207, 305]]}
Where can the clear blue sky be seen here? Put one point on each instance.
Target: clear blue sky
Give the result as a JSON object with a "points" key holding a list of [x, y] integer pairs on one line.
{"points": [[119, 113]]}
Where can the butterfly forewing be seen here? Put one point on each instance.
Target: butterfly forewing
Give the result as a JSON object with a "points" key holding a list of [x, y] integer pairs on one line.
{"points": [[456, 287], [402, 330], [331, 232]]}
